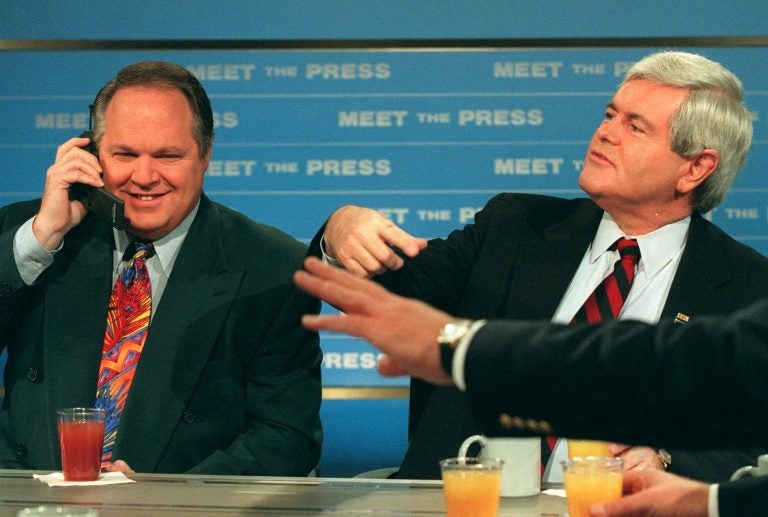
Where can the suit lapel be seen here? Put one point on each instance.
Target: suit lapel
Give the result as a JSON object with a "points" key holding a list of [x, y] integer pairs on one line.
{"points": [[181, 337], [703, 267], [548, 263]]}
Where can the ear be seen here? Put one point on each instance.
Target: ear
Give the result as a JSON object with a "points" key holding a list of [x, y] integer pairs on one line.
{"points": [[698, 169], [207, 158]]}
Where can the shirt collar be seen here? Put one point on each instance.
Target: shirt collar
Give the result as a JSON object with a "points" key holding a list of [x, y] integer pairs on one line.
{"points": [[657, 248], [167, 247]]}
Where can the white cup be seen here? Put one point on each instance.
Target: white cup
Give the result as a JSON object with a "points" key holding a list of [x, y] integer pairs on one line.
{"points": [[750, 470], [521, 474]]}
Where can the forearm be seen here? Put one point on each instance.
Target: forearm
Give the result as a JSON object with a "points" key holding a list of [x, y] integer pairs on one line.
{"points": [[625, 409]]}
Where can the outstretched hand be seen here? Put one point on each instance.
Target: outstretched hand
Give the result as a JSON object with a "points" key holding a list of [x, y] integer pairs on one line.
{"points": [[404, 329]]}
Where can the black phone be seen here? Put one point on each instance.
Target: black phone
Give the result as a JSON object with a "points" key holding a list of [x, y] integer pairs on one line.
{"points": [[99, 201]]}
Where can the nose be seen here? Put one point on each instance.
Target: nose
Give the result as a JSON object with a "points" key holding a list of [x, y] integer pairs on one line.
{"points": [[608, 131], [144, 174]]}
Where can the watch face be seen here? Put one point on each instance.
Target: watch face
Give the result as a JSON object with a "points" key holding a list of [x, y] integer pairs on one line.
{"points": [[452, 332]]}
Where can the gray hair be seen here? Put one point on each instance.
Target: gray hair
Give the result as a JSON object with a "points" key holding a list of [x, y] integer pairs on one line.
{"points": [[162, 75], [713, 116]]}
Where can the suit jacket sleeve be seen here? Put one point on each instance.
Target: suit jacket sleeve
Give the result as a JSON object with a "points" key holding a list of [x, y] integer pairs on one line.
{"points": [[746, 497], [12, 287], [700, 385]]}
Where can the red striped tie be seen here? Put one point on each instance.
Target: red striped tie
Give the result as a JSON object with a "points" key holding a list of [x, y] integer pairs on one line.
{"points": [[608, 298], [604, 304]]}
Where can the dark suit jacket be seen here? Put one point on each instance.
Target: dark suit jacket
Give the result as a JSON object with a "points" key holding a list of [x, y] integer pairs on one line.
{"points": [[228, 381], [706, 385], [516, 262], [743, 498]]}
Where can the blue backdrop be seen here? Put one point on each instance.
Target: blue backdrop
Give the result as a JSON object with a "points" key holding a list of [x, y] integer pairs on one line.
{"points": [[426, 134]]}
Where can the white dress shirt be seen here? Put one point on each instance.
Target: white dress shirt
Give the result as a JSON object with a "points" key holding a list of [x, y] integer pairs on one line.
{"points": [[660, 253]]}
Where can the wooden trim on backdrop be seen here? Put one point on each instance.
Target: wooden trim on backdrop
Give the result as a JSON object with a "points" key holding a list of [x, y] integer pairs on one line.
{"points": [[355, 393], [384, 44], [347, 393]]}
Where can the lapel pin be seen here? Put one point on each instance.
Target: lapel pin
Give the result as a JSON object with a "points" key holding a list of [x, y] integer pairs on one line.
{"points": [[682, 318]]}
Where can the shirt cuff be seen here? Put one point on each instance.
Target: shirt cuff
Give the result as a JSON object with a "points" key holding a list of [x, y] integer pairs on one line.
{"points": [[460, 355], [713, 509], [327, 258], [31, 258]]}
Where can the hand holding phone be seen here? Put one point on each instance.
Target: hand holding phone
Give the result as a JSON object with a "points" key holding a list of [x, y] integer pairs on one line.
{"points": [[98, 200]]}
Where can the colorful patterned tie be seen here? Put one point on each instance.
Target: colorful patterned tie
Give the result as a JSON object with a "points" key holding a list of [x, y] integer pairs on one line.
{"points": [[604, 304], [130, 307]]}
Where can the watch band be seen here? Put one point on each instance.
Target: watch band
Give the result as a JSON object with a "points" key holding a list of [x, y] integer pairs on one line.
{"points": [[446, 358]]}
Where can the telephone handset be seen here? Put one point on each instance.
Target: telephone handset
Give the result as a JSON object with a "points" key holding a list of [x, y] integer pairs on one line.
{"points": [[98, 200]]}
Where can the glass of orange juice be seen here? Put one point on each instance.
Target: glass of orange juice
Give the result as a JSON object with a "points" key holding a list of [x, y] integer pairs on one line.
{"points": [[584, 448], [591, 480], [471, 486]]}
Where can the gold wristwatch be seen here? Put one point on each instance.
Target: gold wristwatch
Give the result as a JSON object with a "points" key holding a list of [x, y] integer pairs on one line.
{"points": [[449, 338]]}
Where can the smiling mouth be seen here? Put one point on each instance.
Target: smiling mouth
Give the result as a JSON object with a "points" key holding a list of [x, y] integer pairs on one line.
{"points": [[145, 197]]}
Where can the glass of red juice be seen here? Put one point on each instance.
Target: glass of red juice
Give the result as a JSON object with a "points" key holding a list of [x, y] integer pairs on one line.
{"points": [[81, 434]]}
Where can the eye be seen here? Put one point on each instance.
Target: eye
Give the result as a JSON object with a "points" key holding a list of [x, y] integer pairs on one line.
{"points": [[169, 157], [609, 115]]}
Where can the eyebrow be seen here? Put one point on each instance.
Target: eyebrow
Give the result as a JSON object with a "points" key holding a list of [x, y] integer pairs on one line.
{"points": [[128, 148], [635, 117]]}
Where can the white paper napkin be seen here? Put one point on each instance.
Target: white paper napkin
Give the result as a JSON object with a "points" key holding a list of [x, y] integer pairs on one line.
{"points": [[106, 478], [559, 492]]}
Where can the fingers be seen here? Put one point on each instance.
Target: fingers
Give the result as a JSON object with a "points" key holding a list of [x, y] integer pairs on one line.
{"points": [[71, 155], [367, 254], [388, 367], [617, 449], [119, 466], [634, 482], [408, 244], [640, 458], [334, 285], [338, 287], [327, 290], [637, 480], [339, 323], [363, 240]]}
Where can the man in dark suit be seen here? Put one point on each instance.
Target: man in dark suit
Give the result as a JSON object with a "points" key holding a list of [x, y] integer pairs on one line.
{"points": [[228, 381], [707, 387], [674, 137]]}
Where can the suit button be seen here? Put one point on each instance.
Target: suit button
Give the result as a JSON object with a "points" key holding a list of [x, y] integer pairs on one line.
{"points": [[32, 375], [5, 288], [20, 449], [510, 422], [189, 417]]}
